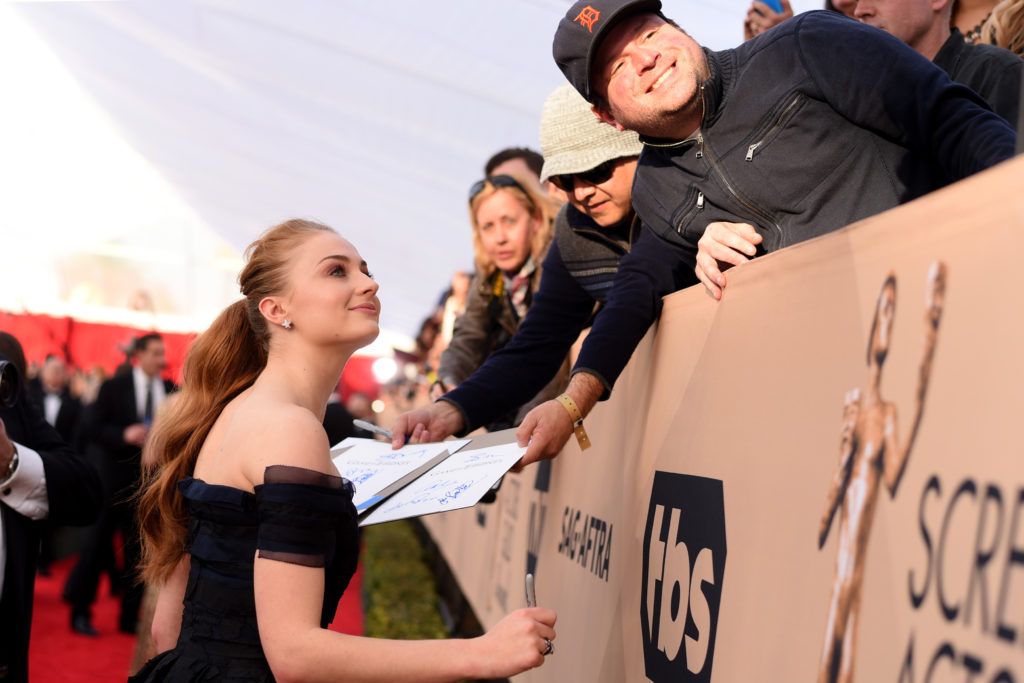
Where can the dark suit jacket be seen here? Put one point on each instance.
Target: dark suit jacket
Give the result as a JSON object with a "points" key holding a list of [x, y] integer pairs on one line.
{"points": [[75, 498], [69, 415], [990, 71], [338, 423], [104, 423]]}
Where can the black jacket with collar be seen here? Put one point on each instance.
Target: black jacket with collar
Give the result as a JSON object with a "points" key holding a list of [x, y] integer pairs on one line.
{"points": [[103, 425], [990, 71], [74, 497], [68, 416], [811, 126]]}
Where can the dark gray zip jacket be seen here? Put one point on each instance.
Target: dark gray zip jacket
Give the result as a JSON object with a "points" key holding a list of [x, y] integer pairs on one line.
{"points": [[813, 125]]}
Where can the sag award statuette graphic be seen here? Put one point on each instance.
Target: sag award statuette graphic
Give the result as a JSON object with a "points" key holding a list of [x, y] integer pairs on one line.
{"points": [[870, 453]]}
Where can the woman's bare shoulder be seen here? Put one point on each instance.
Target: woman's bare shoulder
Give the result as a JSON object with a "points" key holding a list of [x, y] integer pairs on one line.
{"points": [[272, 433]]}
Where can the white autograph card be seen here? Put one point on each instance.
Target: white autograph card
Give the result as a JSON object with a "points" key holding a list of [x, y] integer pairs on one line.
{"points": [[458, 482], [372, 466]]}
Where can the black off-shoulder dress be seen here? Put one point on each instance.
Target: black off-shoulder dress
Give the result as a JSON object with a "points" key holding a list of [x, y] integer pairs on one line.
{"points": [[298, 516]]}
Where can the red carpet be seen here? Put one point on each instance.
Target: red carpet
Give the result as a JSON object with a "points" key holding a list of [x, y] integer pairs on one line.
{"points": [[59, 656]]}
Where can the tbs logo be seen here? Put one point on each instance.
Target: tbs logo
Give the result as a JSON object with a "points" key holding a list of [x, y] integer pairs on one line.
{"points": [[683, 569]]}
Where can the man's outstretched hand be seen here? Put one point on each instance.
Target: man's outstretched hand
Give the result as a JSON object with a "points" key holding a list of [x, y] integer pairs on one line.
{"points": [[547, 428], [424, 425]]}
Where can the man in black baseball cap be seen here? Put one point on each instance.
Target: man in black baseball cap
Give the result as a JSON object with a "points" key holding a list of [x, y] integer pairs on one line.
{"points": [[582, 29], [810, 126]]}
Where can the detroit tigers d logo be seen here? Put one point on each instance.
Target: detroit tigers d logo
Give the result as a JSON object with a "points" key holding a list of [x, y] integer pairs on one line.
{"points": [[587, 17]]}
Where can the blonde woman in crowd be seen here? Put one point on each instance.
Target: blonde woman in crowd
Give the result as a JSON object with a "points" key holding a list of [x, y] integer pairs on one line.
{"points": [[1005, 26], [248, 528], [512, 228]]}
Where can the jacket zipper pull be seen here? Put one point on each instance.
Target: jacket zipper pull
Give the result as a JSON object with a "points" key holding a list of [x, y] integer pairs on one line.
{"points": [[700, 146], [700, 207], [751, 149]]}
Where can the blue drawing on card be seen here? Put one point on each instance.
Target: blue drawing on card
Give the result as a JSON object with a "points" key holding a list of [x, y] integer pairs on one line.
{"points": [[444, 492], [359, 475], [395, 456], [452, 495], [481, 456]]}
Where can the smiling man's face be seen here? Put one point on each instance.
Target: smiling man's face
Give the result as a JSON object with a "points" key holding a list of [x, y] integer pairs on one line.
{"points": [[648, 73]]}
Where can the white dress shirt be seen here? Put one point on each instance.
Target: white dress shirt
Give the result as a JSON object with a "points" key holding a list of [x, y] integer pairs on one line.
{"points": [[142, 382], [51, 408], [24, 494]]}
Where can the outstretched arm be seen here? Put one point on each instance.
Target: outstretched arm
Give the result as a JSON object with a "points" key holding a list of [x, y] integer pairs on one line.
{"points": [[847, 447], [513, 375], [878, 82], [894, 460], [288, 586], [289, 599], [547, 428], [653, 269]]}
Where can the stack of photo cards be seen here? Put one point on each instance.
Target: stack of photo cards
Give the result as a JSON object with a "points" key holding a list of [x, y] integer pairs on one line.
{"points": [[377, 471], [422, 479]]}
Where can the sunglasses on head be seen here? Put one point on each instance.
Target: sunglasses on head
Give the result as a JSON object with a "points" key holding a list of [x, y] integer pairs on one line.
{"points": [[595, 176], [497, 181]]}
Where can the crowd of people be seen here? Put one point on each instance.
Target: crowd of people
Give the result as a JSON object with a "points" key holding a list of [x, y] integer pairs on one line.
{"points": [[662, 165], [105, 426], [77, 384], [815, 124]]}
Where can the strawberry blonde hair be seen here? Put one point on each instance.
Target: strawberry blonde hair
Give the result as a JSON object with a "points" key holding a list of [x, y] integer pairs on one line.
{"points": [[224, 361]]}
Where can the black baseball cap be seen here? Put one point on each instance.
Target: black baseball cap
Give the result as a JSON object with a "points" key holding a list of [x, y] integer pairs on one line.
{"points": [[580, 33]]}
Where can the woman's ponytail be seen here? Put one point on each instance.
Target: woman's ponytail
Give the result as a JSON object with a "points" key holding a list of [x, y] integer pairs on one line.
{"points": [[223, 362]]}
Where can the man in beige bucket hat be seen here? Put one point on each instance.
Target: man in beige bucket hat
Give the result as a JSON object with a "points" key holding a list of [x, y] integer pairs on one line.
{"points": [[593, 164]]}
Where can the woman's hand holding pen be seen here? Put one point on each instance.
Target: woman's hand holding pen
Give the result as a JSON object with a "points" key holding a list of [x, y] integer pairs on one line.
{"points": [[517, 643]]}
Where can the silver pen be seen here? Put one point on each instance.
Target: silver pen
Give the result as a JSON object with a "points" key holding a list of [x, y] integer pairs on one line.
{"points": [[373, 429]]}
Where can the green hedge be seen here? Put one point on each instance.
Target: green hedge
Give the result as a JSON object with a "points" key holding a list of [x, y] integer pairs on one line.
{"points": [[399, 594]]}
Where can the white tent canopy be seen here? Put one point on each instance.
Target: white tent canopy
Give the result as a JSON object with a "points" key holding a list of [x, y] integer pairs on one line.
{"points": [[144, 144]]}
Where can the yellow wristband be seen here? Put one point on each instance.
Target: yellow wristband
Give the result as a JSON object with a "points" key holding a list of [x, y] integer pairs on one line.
{"points": [[577, 420]]}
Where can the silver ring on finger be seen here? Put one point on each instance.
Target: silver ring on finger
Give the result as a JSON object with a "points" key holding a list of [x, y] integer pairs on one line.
{"points": [[550, 649]]}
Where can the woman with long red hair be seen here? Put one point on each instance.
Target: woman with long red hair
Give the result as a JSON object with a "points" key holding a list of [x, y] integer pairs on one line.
{"points": [[247, 527]]}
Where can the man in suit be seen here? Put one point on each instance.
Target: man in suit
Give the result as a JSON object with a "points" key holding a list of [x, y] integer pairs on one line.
{"points": [[52, 395], [114, 429], [338, 421], [41, 477]]}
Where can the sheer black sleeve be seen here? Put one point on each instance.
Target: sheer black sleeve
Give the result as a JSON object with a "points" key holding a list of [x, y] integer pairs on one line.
{"points": [[299, 512]]}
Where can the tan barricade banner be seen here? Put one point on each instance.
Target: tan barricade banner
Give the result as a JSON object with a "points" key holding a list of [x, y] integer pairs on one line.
{"points": [[817, 479]]}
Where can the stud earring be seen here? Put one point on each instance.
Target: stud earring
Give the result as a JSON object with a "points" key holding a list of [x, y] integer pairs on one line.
{"points": [[287, 324]]}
